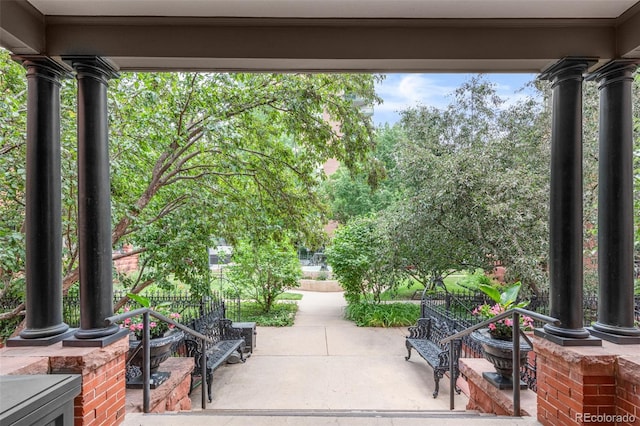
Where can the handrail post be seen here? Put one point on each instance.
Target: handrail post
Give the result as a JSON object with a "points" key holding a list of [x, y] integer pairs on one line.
{"points": [[516, 363], [452, 383], [203, 372], [146, 361]]}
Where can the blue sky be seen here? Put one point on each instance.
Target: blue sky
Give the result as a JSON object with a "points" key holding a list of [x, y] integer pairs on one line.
{"points": [[401, 91]]}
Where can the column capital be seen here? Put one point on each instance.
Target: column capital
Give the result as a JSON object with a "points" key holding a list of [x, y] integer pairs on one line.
{"points": [[614, 71], [44, 66], [102, 69], [567, 68]]}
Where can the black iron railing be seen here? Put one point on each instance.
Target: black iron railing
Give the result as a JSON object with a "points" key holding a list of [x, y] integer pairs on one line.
{"points": [[456, 309], [146, 349], [517, 333]]}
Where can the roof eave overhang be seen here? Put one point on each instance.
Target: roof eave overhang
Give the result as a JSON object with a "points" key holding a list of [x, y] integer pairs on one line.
{"points": [[297, 44]]}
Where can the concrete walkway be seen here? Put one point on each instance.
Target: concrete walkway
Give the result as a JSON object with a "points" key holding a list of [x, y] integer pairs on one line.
{"points": [[325, 370]]}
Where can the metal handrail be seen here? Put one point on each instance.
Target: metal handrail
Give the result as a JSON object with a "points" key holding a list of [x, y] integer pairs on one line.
{"points": [[146, 352], [515, 314]]}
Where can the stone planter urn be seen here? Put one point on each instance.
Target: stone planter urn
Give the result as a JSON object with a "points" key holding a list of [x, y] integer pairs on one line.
{"points": [[500, 353], [160, 351]]}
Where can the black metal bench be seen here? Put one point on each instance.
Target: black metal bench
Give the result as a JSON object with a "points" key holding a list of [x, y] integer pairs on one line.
{"points": [[425, 338], [227, 341]]}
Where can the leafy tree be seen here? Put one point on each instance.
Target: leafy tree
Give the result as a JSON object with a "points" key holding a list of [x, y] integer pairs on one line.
{"points": [[359, 194], [13, 90], [193, 155], [265, 270], [475, 187]]}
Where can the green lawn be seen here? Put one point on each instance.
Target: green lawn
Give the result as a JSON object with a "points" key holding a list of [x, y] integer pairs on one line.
{"points": [[289, 296], [282, 314], [407, 290]]}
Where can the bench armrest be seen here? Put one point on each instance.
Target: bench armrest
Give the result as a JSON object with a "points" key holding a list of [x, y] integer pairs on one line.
{"points": [[443, 357], [194, 350], [227, 332], [422, 329]]}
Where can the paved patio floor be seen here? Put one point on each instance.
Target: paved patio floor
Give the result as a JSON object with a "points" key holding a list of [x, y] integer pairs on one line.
{"points": [[326, 370]]}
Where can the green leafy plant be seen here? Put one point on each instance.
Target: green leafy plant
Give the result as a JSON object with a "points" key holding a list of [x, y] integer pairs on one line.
{"points": [[505, 300], [382, 315]]}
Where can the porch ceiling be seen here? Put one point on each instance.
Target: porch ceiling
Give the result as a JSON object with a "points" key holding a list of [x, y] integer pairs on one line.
{"points": [[327, 35]]}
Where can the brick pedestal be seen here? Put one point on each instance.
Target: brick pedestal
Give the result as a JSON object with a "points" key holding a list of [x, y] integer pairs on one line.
{"points": [[102, 398], [628, 387], [579, 384], [172, 395], [486, 398]]}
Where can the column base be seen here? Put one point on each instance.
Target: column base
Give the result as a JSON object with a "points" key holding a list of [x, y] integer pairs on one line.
{"points": [[99, 342], [614, 338], [96, 333], [567, 341], [39, 341], [37, 333]]}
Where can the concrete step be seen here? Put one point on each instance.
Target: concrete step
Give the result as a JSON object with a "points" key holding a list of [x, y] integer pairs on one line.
{"points": [[323, 417]]}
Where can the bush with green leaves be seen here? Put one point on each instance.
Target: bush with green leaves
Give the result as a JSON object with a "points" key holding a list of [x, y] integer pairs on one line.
{"points": [[473, 281], [357, 258], [263, 270], [383, 315]]}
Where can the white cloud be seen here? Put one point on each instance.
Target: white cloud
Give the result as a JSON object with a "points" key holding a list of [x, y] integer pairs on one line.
{"points": [[402, 91]]}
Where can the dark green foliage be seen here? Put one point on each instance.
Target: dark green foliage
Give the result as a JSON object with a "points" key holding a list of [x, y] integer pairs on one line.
{"points": [[475, 187], [353, 195], [383, 315]]}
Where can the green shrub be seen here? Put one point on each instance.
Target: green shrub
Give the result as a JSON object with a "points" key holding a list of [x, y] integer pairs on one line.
{"points": [[475, 280], [355, 257], [265, 270], [383, 315]]}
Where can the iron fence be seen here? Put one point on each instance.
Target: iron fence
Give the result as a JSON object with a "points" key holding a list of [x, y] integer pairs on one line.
{"points": [[225, 304]]}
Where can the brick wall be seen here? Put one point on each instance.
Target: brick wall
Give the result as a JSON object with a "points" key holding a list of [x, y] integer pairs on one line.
{"points": [[102, 396], [103, 393], [628, 388], [126, 264], [580, 383], [101, 401]]}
